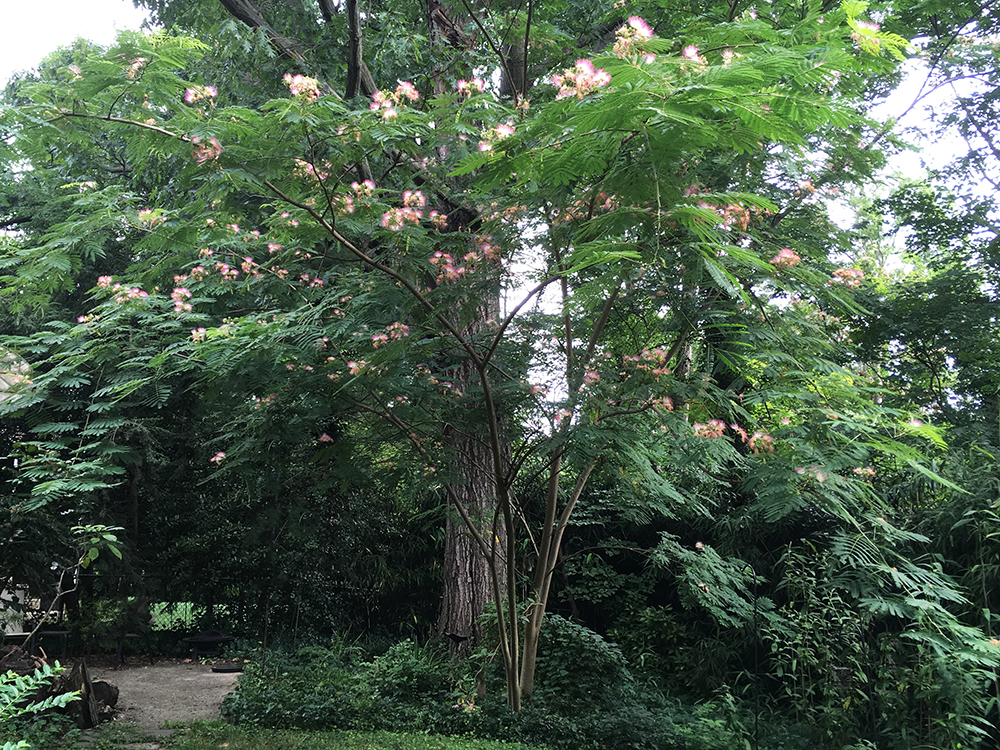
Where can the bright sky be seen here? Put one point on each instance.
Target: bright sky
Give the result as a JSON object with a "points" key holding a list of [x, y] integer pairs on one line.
{"points": [[30, 32]]}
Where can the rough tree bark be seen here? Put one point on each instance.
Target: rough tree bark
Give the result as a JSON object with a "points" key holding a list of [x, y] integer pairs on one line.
{"points": [[468, 581]]}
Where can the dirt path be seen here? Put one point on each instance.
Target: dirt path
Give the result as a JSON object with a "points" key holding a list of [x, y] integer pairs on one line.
{"points": [[167, 691]]}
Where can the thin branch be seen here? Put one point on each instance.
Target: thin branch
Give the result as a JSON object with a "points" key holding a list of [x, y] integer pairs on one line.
{"points": [[602, 321], [513, 313], [108, 118], [8, 223], [527, 35], [489, 40]]}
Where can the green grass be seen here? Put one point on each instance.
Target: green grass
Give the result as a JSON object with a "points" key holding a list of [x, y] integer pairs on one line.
{"points": [[216, 735]]}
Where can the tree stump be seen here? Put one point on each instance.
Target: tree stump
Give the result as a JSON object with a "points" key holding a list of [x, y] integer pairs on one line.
{"points": [[85, 710]]}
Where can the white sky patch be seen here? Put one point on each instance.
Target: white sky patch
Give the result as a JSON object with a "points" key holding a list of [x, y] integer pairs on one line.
{"points": [[32, 31]]}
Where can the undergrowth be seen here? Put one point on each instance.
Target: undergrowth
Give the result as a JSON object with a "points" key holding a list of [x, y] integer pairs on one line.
{"points": [[586, 697]]}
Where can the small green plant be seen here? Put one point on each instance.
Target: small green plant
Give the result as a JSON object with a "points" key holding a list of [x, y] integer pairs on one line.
{"points": [[16, 692]]}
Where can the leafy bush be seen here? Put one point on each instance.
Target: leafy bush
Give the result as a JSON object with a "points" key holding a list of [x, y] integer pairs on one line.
{"points": [[578, 671], [586, 697], [16, 693]]}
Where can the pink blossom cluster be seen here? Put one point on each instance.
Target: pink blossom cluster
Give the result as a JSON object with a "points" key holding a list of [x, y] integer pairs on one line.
{"points": [[259, 402], [398, 331], [691, 53], [205, 150], [405, 91], [849, 277], [806, 187], [664, 402], [218, 458], [652, 361], [304, 86], [124, 295], [736, 215], [194, 94], [356, 368], [314, 282], [712, 430], [344, 204], [508, 213], [439, 220], [728, 56], [811, 472], [635, 32], [468, 88], [447, 270], [447, 387], [561, 415], [180, 296], [414, 199], [225, 271], [495, 134], [104, 281], [305, 169], [380, 339], [489, 250], [761, 442], [134, 66], [386, 103], [580, 80], [590, 377], [396, 218], [149, 218], [867, 471], [363, 189], [581, 208], [198, 334], [866, 42], [786, 258]]}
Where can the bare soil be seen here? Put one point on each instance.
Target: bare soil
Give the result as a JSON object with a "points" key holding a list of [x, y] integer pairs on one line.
{"points": [[169, 690]]}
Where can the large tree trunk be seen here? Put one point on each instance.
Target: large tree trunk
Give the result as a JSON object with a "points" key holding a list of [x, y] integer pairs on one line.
{"points": [[468, 579], [467, 585]]}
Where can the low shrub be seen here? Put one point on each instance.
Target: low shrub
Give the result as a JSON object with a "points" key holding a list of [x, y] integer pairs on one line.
{"points": [[586, 697]]}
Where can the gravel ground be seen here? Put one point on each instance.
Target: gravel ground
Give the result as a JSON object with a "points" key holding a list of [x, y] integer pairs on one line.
{"points": [[167, 691]]}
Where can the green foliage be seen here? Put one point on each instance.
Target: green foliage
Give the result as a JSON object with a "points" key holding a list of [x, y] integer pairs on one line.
{"points": [[579, 673], [211, 735], [413, 688], [16, 701]]}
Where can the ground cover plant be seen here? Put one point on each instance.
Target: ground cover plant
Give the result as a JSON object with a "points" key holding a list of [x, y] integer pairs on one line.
{"points": [[206, 735]]}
